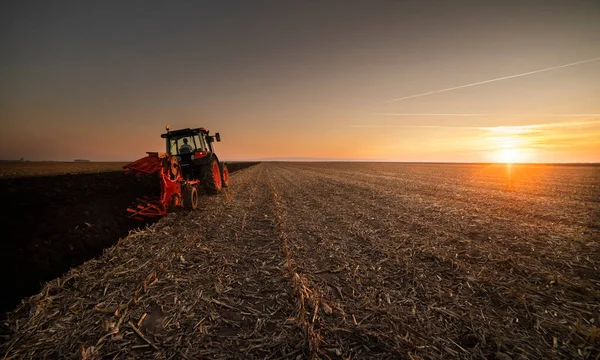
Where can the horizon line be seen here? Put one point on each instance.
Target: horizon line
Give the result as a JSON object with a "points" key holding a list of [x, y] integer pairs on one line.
{"points": [[340, 160]]}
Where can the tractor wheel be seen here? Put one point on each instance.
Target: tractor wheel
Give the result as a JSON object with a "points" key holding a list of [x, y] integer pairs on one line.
{"points": [[190, 197], [211, 177], [224, 176]]}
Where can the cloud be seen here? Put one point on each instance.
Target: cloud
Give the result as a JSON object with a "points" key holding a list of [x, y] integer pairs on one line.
{"points": [[486, 115], [573, 134], [415, 126], [535, 142]]}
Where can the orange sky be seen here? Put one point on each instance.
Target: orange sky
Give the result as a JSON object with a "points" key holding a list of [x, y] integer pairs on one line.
{"points": [[401, 81]]}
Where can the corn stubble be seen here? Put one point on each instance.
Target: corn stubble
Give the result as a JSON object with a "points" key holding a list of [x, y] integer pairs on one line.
{"points": [[333, 260]]}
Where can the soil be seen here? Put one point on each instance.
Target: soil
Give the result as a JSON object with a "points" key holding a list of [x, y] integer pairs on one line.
{"points": [[53, 223], [334, 260]]}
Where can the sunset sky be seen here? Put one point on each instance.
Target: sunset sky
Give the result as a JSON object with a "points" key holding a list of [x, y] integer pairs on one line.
{"points": [[460, 81]]}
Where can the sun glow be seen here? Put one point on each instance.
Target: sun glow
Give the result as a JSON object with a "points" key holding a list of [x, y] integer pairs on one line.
{"points": [[509, 156], [510, 145]]}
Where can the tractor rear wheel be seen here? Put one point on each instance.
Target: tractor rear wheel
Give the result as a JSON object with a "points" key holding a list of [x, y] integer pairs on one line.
{"points": [[190, 197], [224, 175], [211, 177]]}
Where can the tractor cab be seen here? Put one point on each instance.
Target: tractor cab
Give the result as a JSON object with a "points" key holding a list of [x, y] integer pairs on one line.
{"points": [[187, 141], [190, 146], [193, 149]]}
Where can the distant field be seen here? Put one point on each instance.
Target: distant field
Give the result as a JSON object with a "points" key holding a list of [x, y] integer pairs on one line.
{"points": [[10, 169]]}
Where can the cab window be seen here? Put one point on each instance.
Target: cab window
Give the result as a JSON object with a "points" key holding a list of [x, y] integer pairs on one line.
{"points": [[200, 144]]}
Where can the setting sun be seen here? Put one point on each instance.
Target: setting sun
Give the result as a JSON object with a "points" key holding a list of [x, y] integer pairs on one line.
{"points": [[509, 156]]}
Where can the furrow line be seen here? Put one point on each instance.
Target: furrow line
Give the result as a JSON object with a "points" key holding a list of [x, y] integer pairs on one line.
{"points": [[336, 273], [308, 300]]}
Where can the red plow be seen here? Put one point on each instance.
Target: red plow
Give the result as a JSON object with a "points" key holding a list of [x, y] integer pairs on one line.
{"points": [[175, 190]]}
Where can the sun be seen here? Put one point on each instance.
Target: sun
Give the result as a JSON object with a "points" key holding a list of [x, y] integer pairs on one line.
{"points": [[509, 156]]}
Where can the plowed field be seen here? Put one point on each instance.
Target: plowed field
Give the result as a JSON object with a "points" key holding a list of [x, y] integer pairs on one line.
{"points": [[348, 260]]}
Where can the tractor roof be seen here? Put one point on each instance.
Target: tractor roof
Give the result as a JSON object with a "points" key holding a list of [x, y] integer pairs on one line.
{"points": [[185, 132]]}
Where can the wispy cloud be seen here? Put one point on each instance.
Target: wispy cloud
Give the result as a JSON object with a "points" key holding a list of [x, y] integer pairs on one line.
{"points": [[491, 80], [508, 129], [555, 126], [534, 142], [573, 134], [415, 126]]}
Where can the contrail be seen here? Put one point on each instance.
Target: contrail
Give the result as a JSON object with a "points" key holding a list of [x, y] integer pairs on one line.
{"points": [[492, 80], [483, 114]]}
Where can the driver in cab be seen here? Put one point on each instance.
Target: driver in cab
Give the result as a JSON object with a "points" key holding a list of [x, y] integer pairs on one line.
{"points": [[185, 148]]}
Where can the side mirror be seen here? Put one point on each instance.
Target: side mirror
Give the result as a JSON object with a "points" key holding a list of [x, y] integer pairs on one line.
{"points": [[218, 137]]}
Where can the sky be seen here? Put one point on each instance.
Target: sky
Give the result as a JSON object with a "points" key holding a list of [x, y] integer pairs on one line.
{"points": [[449, 81]]}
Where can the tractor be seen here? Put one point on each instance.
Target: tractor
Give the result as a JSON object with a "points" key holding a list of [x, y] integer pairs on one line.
{"points": [[189, 166]]}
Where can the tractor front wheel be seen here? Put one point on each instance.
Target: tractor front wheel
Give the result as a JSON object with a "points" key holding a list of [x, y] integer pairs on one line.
{"points": [[211, 177], [190, 197]]}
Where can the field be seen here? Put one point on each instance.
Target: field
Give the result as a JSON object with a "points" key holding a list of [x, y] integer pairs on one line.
{"points": [[342, 260]]}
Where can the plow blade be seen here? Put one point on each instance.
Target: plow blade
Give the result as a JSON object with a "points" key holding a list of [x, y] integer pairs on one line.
{"points": [[147, 208], [169, 177]]}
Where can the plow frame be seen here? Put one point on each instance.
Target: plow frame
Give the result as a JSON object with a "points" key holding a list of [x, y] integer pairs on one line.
{"points": [[168, 170]]}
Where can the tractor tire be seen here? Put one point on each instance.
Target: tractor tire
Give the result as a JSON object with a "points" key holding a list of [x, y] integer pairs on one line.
{"points": [[211, 177], [190, 197], [224, 176]]}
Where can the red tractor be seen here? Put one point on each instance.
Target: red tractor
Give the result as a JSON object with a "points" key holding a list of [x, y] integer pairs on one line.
{"points": [[189, 166]]}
